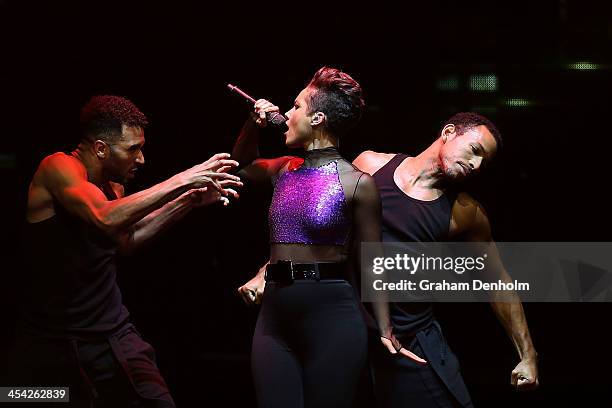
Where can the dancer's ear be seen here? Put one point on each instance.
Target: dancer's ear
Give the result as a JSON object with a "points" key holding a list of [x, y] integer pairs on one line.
{"points": [[448, 133], [101, 149], [318, 118]]}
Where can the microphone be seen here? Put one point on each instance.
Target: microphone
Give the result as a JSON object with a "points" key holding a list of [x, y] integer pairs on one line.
{"points": [[275, 118]]}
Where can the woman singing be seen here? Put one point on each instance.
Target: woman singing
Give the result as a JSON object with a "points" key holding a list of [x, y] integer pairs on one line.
{"points": [[310, 342]]}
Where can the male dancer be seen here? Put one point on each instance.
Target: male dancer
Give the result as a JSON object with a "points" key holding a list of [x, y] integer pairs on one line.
{"points": [[420, 204], [73, 328]]}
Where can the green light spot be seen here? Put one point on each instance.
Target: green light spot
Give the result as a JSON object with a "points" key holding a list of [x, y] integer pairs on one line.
{"points": [[517, 103], [583, 66], [483, 83], [450, 83]]}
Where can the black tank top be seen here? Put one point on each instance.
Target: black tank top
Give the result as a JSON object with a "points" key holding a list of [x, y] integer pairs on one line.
{"points": [[68, 287], [406, 219]]}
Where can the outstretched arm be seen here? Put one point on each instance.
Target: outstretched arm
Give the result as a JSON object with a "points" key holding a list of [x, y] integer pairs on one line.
{"points": [[145, 230], [65, 178], [473, 224]]}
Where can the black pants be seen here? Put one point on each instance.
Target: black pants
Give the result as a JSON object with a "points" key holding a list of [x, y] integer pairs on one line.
{"points": [[116, 372], [402, 383], [310, 345]]}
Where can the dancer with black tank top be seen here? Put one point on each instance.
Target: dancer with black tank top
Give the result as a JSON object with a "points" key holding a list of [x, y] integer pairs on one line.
{"points": [[310, 342], [420, 204], [73, 329]]}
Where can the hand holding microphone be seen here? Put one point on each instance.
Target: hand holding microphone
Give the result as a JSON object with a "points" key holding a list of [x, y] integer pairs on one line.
{"points": [[265, 111]]}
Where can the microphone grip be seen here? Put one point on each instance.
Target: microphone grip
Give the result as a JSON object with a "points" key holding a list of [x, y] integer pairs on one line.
{"points": [[274, 118], [278, 120]]}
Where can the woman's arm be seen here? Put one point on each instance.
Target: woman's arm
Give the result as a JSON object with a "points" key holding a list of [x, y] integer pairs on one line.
{"points": [[246, 148]]}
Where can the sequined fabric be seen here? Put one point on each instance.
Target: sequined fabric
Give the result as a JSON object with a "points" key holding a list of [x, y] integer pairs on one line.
{"points": [[308, 207]]}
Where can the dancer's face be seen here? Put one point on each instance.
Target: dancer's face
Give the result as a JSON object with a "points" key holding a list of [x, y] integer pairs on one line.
{"points": [[299, 121], [125, 155], [464, 155]]}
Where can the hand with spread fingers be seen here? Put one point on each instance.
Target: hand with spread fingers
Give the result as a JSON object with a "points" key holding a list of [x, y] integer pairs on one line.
{"points": [[525, 375], [207, 195], [211, 172], [220, 163], [214, 183]]}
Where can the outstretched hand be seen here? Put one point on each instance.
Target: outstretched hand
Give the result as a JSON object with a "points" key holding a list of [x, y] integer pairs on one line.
{"points": [[205, 196], [212, 182], [211, 173], [219, 163]]}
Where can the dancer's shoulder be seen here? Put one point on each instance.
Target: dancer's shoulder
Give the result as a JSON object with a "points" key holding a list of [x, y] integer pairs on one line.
{"points": [[370, 161]]}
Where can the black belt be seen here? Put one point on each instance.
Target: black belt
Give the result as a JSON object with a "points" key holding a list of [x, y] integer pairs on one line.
{"points": [[287, 271]]}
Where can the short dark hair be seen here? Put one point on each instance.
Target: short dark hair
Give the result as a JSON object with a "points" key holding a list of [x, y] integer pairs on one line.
{"points": [[339, 97], [467, 120], [104, 115]]}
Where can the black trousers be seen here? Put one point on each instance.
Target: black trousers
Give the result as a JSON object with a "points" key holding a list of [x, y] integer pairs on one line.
{"points": [[116, 372], [402, 383], [310, 345]]}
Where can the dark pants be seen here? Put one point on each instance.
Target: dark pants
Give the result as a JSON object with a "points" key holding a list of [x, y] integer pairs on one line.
{"points": [[310, 345], [401, 383], [117, 372]]}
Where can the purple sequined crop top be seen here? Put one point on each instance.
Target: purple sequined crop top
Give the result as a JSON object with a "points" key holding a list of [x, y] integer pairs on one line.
{"points": [[308, 207]]}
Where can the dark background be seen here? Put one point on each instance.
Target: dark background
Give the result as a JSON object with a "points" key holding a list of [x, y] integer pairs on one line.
{"points": [[416, 63]]}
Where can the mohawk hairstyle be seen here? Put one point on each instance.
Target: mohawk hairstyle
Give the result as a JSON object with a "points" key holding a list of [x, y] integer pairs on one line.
{"points": [[339, 97], [103, 116]]}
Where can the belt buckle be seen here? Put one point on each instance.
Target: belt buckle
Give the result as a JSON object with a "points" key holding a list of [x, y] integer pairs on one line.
{"points": [[289, 265]]}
